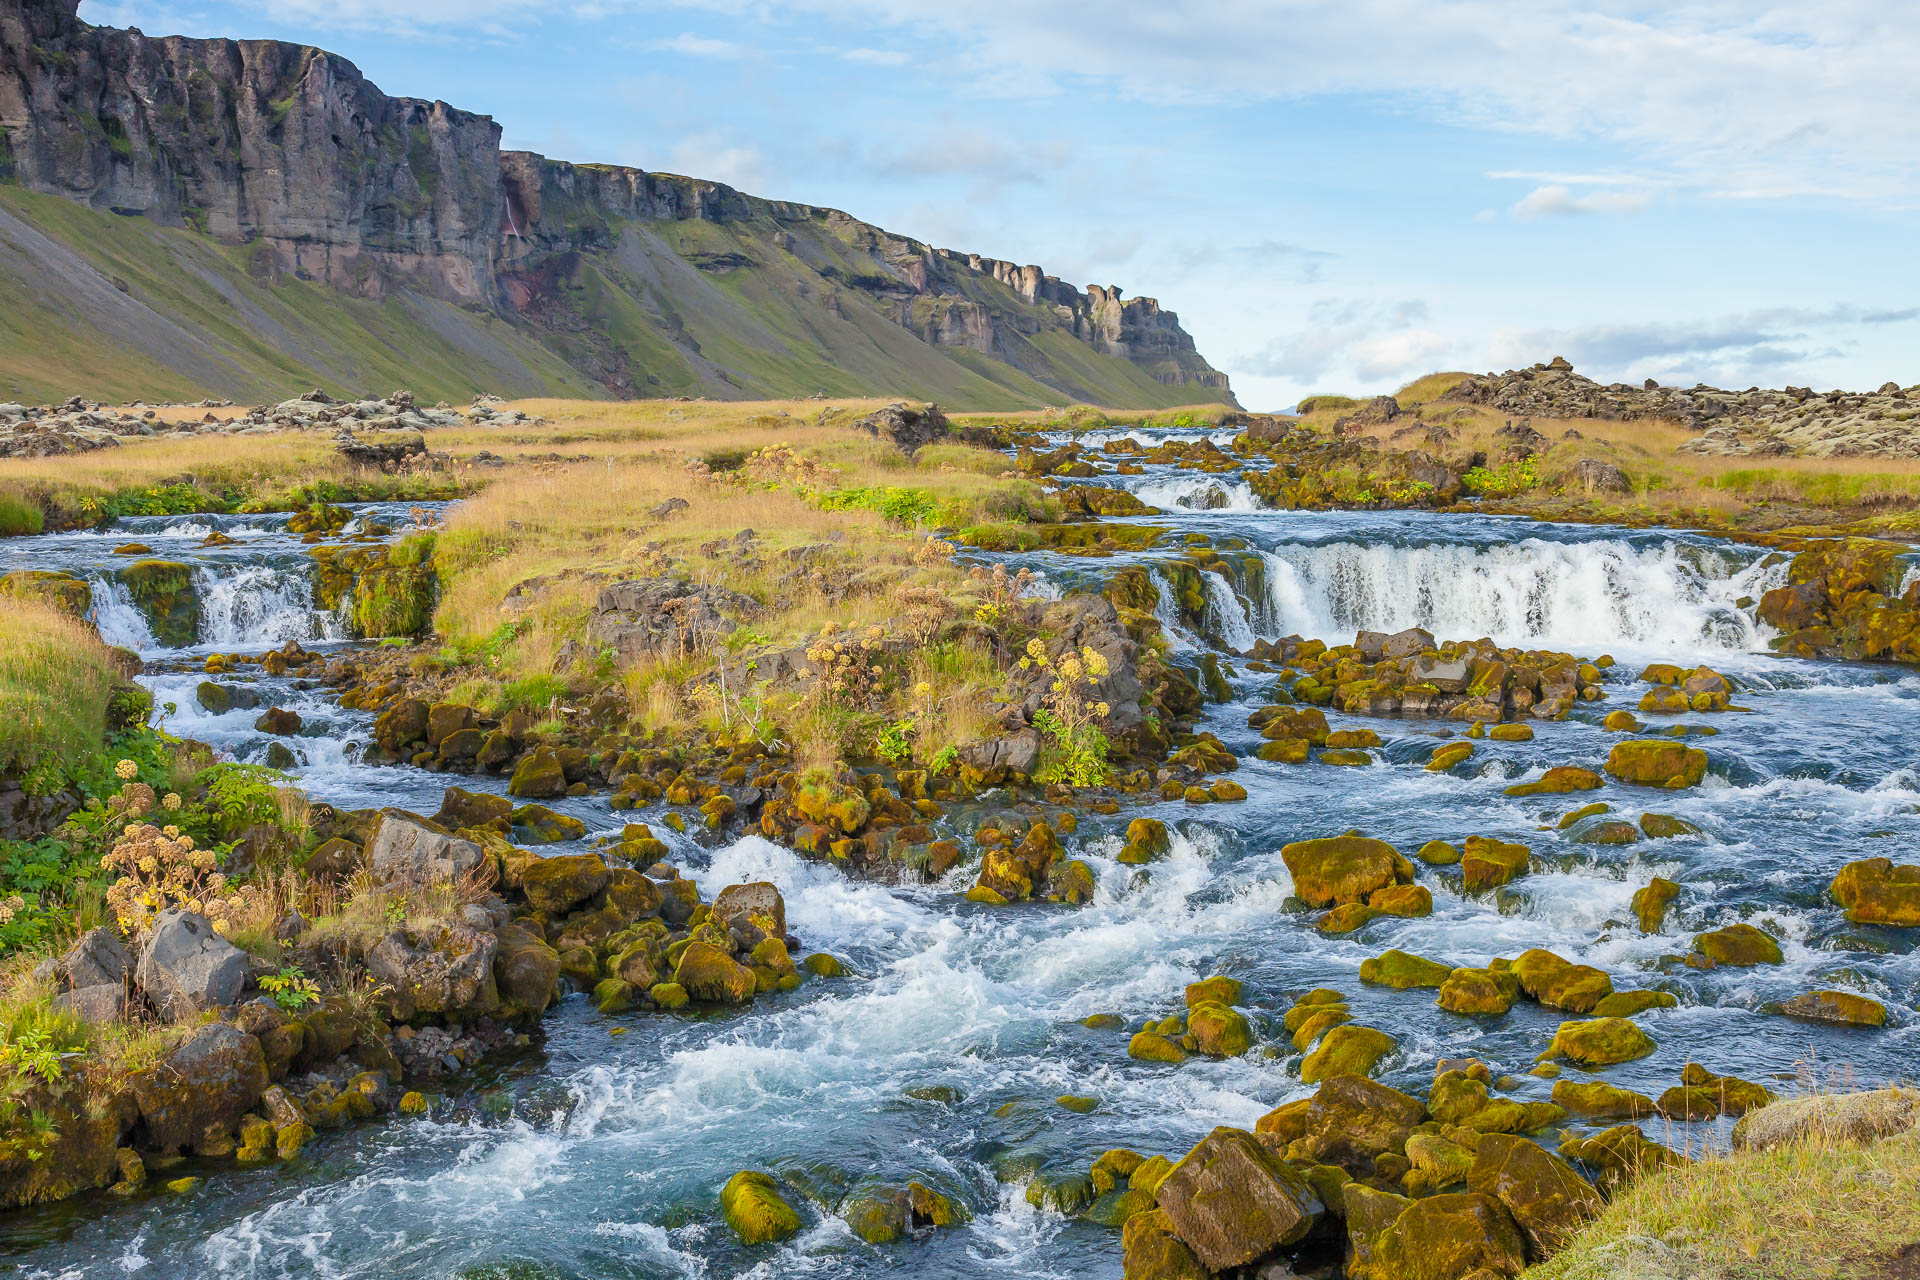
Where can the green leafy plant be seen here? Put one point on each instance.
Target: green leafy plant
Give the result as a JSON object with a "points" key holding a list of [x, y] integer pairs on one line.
{"points": [[291, 988], [943, 759], [893, 743], [32, 1051], [1503, 481]]}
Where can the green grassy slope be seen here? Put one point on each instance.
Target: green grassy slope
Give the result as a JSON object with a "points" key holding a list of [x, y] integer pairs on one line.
{"points": [[117, 308]]}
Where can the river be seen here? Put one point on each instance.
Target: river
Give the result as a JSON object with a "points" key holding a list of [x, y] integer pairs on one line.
{"points": [[610, 1160]]}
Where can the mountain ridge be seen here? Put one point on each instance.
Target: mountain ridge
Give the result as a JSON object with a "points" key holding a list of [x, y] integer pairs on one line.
{"points": [[296, 170]]}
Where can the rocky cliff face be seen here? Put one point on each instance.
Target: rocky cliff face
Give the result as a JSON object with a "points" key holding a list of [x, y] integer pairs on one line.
{"points": [[290, 151]]}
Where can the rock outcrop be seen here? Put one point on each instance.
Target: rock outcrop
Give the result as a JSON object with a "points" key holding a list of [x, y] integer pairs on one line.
{"points": [[290, 150], [1766, 423]]}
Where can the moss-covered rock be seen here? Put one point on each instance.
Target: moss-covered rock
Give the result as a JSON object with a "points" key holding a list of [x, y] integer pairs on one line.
{"points": [[538, 775], [1739, 946], [1487, 863], [752, 1205], [1653, 762], [705, 972], [1218, 1030], [1875, 891], [1231, 1200], [1544, 1195], [1625, 1004], [1600, 1042], [163, 590], [1150, 1046], [1438, 853], [1836, 1009], [1445, 1237], [1146, 840], [1343, 869], [556, 886], [1664, 826], [1478, 992], [1405, 900], [1403, 971], [1560, 984], [1558, 781], [1620, 1154], [63, 591], [1448, 755], [1598, 1100], [1346, 1051], [1151, 1251], [1650, 903]]}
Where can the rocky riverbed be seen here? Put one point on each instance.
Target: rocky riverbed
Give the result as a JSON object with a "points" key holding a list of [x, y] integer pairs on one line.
{"points": [[1340, 981]]}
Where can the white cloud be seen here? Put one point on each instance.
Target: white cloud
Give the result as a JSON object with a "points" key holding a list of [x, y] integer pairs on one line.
{"points": [[1556, 201], [694, 46], [1791, 97], [714, 156], [1752, 347], [878, 57], [1372, 341]]}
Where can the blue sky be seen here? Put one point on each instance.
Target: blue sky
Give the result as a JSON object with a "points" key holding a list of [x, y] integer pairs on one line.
{"points": [[1335, 195]]}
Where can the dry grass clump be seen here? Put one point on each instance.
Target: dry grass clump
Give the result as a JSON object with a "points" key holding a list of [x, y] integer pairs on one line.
{"points": [[1833, 1194], [55, 677]]}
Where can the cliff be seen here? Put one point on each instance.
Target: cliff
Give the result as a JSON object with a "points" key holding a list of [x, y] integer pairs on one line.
{"points": [[235, 186]]}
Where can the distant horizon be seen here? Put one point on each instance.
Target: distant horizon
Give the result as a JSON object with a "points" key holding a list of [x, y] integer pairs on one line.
{"points": [[1333, 199]]}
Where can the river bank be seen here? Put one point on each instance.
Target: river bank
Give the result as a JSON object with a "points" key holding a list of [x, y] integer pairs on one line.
{"points": [[1004, 1057]]}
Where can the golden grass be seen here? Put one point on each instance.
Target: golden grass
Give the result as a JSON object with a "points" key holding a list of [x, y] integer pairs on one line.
{"points": [[1817, 1208], [55, 677]]}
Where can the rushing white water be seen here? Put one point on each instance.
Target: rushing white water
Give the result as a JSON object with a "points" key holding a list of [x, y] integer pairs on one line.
{"points": [[1200, 493], [258, 606], [1226, 616], [1569, 595], [119, 620], [1167, 613]]}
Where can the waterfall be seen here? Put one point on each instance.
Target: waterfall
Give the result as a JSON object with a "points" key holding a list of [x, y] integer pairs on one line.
{"points": [[1168, 614], [1566, 595], [260, 606], [1226, 616], [118, 619], [1197, 493]]}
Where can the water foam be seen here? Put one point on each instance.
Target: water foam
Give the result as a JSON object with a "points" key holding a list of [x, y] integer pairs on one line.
{"points": [[1567, 595], [119, 620], [1202, 494], [259, 606]]}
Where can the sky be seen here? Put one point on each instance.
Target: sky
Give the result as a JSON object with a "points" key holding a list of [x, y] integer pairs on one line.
{"points": [[1334, 195]]}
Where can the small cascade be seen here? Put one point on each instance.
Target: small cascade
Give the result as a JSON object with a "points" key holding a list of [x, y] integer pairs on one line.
{"points": [[260, 606], [1566, 595], [1200, 493], [1226, 616], [1168, 614], [118, 619]]}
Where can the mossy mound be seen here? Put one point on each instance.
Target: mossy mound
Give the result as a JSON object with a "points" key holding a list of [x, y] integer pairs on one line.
{"points": [[163, 591], [1403, 971], [1652, 762], [1486, 863], [752, 1205], [1558, 781], [1600, 1042], [1739, 946], [1875, 891], [1343, 869], [1347, 1051]]}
